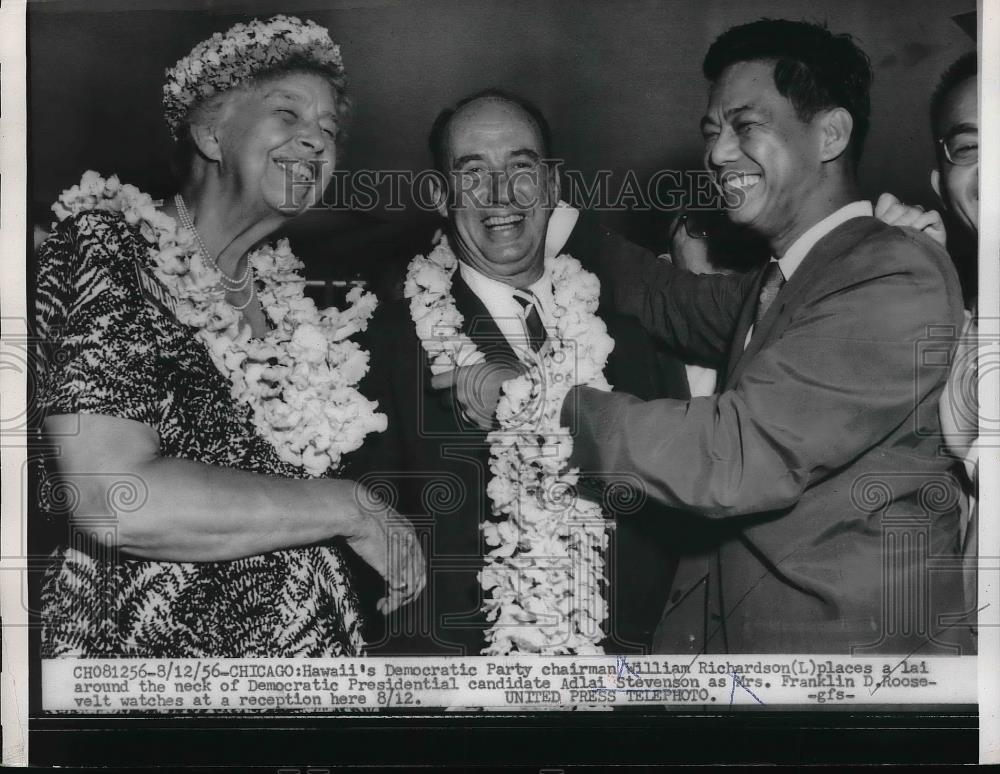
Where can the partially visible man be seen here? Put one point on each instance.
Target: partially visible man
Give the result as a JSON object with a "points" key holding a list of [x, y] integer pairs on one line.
{"points": [[955, 123], [498, 194], [814, 471]]}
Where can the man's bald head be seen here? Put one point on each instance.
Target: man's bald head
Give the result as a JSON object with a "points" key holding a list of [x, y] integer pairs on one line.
{"points": [[439, 135]]}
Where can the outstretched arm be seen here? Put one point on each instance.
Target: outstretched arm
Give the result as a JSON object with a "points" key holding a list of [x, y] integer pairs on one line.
{"points": [[838, 380], [695, 315]]}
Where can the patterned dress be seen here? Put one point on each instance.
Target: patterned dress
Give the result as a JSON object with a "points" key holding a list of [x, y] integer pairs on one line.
{"points": [[112, 350]]}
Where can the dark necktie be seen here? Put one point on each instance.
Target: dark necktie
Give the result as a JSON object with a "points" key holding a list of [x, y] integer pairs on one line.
{"points": [[532, 319], [773, 280]]}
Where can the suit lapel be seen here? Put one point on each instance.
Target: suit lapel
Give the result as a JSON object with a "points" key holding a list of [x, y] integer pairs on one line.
{"points": [[736, 351], [792, 294]]}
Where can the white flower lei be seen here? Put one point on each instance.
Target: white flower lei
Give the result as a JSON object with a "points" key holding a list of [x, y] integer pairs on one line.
{"points": [[299, 379], [545, 569]]}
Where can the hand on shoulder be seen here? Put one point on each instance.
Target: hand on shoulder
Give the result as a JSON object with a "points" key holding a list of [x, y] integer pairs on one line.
{"points": [[893, 212]]}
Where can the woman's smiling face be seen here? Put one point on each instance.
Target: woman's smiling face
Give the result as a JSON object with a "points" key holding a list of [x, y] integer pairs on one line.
{"points": [[277, 143]]}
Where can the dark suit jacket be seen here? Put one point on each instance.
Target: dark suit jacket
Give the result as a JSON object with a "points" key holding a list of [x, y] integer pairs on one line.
{"points": [[436, 465], [828, 519]]}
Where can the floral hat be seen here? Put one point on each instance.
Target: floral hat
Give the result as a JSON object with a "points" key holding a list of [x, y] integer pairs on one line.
{"points": [[228, 59]]}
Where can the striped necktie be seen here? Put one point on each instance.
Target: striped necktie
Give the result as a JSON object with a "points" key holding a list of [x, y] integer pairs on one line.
{"points": [[773, 280], [532, 319]]}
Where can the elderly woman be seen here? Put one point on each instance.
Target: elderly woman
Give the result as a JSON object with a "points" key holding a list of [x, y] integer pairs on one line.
{"points": [[199, 403]]}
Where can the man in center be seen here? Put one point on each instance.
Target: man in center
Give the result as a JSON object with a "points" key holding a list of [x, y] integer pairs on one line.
{"points": [[497, 191]]}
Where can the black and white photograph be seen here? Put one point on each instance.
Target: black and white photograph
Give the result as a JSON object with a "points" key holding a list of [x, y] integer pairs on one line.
{"points": [[499, 383]]}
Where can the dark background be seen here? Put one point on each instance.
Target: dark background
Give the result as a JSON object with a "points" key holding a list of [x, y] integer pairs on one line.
{"points": [[619, 81]]}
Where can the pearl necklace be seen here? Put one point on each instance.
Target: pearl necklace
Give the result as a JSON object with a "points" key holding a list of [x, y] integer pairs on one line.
{"points": [[228, 283]]}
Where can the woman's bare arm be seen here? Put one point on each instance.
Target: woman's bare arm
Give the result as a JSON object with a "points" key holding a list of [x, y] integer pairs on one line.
{"points": [[194, 512]]}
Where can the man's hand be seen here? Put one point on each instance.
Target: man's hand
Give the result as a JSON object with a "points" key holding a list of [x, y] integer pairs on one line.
{"points": [[475, 390], [890, 210]]}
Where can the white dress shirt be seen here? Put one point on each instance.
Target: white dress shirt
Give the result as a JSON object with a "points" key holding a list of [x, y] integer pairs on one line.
{"points": [[507, 313], [798, 250]]}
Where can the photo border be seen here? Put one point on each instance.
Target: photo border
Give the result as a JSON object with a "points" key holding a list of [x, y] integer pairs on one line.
{"points": [[459, 739]]}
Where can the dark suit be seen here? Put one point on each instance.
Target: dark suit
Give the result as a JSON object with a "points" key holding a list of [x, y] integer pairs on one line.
{"points": [[822, 498], [437, 463]]}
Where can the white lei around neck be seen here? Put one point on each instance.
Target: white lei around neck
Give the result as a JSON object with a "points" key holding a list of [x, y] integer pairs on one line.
{"points": [[299, 379], [544, 578]]}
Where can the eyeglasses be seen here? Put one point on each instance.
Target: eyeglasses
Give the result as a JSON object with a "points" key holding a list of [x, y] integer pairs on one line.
{"points": [[961, 149], [699, 224]]}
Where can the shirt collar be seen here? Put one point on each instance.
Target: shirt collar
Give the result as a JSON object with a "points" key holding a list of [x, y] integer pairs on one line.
{"points": [[561, 224], [498, 297], [793, 256]]}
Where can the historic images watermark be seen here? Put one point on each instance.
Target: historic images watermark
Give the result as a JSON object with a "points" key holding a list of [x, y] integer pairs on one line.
{"points": [[602, 190]]}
